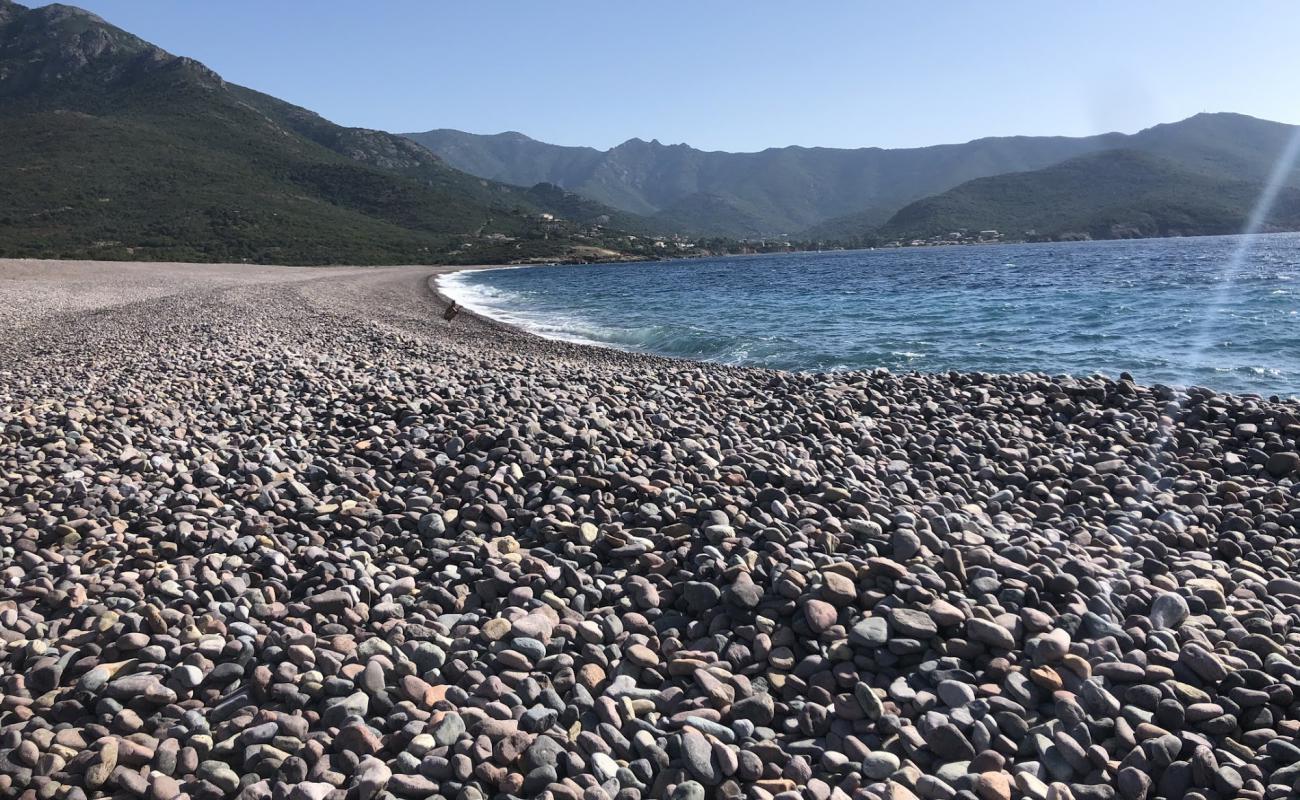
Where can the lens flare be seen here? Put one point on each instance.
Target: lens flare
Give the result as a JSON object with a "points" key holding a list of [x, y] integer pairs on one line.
{"points": [[1202, 340]]}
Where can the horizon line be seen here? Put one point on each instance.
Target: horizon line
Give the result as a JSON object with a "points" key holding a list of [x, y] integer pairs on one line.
{"points": [[638, 139]]}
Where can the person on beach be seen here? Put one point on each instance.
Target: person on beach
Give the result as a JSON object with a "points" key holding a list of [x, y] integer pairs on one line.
{"points": [[452, 311]]}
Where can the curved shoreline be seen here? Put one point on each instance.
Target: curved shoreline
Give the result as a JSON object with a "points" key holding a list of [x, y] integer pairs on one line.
{"points": [[443, 300], [436, 281], [600, 350], [523, 329]]}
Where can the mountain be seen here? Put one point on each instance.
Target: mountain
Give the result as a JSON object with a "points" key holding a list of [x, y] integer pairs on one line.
{"points": [[115, 148], [781, 190], [703, 214], [571, 206], [825, 192], [526, 161], [1107, 195]]}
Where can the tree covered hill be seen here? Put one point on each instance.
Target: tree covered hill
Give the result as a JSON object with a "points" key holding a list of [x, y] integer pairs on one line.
{"points": [[827, 193], [114, 148], [1113, 194], [776, 191]]}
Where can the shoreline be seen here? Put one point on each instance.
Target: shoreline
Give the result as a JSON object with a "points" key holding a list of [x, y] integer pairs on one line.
{"points": [[599, 349], [268, 533], [486, 318]]}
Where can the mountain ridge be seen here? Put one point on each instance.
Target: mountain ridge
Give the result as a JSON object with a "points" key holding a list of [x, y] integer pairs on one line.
{"points": [[118, 149], [813, 191], [1107, 195]]}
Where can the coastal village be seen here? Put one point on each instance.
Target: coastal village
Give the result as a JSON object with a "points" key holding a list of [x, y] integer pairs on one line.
{"points": [[595, 240], [952, 238]]}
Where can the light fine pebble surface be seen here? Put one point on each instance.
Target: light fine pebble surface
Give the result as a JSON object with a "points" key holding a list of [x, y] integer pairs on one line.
{"points": [[286, 533]]}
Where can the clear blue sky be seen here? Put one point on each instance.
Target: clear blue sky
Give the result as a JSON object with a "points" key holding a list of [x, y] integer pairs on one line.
{"points": [[733, 75]]}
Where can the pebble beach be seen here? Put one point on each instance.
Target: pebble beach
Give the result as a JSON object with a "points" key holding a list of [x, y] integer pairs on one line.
{"points": [[286, 534]]}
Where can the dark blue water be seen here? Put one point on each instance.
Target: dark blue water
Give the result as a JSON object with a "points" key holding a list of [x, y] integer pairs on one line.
{"points": [[1222, 312]]}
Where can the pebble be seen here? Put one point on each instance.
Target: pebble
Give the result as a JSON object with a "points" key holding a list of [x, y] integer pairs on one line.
{"points": [[990, 633], [880, 765], [1168, 611], [697, 756], [870, 632], [912, 623], [950, 743], [285, 534]]}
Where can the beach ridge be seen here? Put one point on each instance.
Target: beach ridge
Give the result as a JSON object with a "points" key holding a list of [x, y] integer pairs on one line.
{"points": [[266, 527]]}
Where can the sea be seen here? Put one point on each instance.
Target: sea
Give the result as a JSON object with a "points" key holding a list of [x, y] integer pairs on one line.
{"points": [[1220, 312]]}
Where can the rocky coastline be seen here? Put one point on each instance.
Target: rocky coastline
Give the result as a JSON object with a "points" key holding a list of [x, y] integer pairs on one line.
{"points": [[286, 533]]}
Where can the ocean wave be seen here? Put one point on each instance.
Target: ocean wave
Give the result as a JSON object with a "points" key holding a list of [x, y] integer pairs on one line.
{"points": [[512, 308], [1157, 311], [516, 308]]}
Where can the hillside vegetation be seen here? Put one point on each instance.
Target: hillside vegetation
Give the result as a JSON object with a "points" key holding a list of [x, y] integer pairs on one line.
{"points": [[834, 194], [1115, 194], [114, 148]]}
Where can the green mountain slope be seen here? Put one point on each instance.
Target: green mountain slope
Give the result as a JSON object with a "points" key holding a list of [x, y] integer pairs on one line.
{"points": [[1224, 145], [703, 214], [508, 157], [1114, 194], [114, 148], [825, 192], [780, 190], [571, 206]]}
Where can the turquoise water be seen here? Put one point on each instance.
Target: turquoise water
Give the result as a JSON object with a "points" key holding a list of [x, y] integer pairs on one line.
{"points": [[1222, 312]]}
